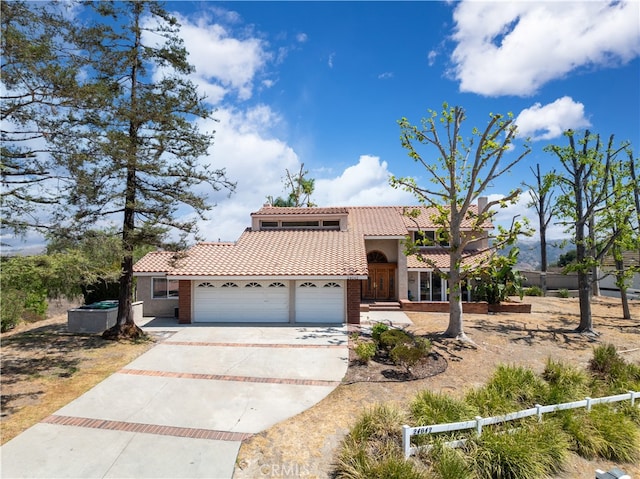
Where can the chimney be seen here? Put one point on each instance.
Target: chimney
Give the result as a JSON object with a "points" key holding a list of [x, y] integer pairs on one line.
{"points": [[482, 203]]}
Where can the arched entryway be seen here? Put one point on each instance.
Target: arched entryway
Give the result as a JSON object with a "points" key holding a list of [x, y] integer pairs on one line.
{"points": [[381, 284]]}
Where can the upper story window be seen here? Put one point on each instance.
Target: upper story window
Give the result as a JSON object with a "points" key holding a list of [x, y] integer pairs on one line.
{"points": [[300, 224], [163, 288], [331, 224], [431, 239]]}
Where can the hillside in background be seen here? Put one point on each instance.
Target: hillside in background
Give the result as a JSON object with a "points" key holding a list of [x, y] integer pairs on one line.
{"points": [[529, 257]]}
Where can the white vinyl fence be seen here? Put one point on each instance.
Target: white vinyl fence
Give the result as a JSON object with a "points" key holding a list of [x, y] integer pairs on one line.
{"points": [[479, 422]]}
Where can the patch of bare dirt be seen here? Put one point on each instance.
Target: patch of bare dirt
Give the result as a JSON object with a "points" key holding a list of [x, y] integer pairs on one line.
{"points": [[305, 445]]}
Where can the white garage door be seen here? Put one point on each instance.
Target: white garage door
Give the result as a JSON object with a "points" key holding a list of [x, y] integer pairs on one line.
{"points": [[241, 301], [320, 301]]}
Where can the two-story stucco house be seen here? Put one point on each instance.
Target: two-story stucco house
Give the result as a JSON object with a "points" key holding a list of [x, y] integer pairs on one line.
{"points": [[300, 265]]}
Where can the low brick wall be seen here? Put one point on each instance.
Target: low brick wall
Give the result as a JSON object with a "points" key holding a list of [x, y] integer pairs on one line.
{"points": [[442, 307], [510, 308], [472, 308]]}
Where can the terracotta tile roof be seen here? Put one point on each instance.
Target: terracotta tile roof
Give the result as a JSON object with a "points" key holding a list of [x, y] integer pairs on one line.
{"points": [[279, 210], [425, 218], [376, 221], [278, 253], [440, 258], [154, 262], [288, 252]]}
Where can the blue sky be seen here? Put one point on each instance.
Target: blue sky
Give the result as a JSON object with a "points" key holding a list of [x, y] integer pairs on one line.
{"points": [[324, 83]]}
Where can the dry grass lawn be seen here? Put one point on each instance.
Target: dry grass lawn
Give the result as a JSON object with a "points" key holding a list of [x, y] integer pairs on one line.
{"points": [[43, 367]]}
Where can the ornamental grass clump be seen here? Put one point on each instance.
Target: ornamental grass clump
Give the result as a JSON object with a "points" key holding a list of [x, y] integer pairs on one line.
{"points": [[429, 407], [602, 433], [510, 389], [566, 383], [614, 374], [372, 450], [524, 451], [448, 463]]}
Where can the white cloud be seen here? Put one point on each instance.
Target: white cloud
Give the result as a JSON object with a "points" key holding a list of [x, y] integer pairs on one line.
{"points": [[513, 48], [331, 58], [223, 64], [431, 57], [549, 121], [365, 183]]}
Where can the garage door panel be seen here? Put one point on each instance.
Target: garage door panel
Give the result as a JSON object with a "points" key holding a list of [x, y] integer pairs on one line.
{"points": [[320, 301], [247, 301]]}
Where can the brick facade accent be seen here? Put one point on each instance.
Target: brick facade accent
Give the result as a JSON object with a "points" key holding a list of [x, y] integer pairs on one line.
{"points": [[353, 301], [443, 307], [474, 308], [184, 302]]}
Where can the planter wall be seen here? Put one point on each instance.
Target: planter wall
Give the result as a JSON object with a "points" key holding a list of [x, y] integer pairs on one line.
{"points": [[472, 308]]}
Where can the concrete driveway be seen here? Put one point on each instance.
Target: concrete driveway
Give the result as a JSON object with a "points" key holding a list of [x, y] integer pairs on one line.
{"points": [[182, 409]]}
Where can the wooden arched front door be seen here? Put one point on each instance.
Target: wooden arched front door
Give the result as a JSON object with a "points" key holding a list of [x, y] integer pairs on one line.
{"points": [[381, 284]]}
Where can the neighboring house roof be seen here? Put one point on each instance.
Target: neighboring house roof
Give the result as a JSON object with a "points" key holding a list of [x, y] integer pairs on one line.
{"points": [[288, 252], [630, 258]]}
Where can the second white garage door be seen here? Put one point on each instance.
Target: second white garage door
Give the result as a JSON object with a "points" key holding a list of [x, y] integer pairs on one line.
{"points": [[320, 301], [241, 301]]}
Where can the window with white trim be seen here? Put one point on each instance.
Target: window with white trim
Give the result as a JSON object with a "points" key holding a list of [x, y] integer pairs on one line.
{"points": [[431, 239], [163, 288]]}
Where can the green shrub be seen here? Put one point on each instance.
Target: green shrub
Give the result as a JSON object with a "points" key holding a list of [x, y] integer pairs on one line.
{"points": [[533, 291], [365, 351], [12, 308], [509, 389], [563, 293], [377, 330], [391, 338], [529, 451], [404, 348], [566, 383]]}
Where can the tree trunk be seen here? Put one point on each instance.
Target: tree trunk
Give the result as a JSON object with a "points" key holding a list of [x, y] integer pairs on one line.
{"points": [[455, 328], [125, 326], [584, 295], [621, 283], [584, 283], [543, 260]]}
